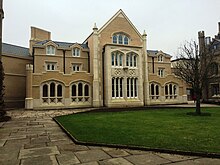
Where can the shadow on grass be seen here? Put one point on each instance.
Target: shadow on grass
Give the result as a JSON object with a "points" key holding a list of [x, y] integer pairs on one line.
{"points": [[196, 114]]}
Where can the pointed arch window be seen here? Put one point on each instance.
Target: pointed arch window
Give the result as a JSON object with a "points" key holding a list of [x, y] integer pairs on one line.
{"points": [[117, 59], [80, 92], [120, 38], [171, 91], [154, 91], [50, 50], [52, 92]]}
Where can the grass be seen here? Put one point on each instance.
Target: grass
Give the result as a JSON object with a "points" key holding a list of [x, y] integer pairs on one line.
{"points": [[157, 128]]}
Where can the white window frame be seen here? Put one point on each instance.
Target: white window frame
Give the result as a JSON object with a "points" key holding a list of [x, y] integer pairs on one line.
{"points": [[132, 87], [172, 91], [76, 52], [123, 39], [51, 66], [50, 50], [161, 72], [160, 58], [80, 99], [76, 67], [117, 59], [117, 87]]}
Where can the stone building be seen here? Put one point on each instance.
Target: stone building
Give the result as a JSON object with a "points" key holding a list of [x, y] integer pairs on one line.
{"points": [[111, 68], [211, 92]]}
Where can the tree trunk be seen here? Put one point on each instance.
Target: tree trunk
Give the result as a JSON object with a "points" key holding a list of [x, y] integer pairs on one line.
{"points": [[198, 97]]}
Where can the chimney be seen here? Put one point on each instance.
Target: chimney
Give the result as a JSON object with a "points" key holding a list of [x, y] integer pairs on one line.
{"points": [[201, 36], [218, 28]]}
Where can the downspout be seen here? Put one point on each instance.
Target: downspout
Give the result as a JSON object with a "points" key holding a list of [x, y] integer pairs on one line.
{"points": [[33, 52], [153, 63], [64, 61], [103, 76]]}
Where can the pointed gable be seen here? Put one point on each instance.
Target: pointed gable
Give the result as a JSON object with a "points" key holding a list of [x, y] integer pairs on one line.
{"points": [[120, 23]]}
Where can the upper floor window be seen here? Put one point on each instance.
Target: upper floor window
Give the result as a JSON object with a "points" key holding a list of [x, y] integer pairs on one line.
{"points": [[160, 58], [51, 66], [76, 52], [120, 39], [76, 67], [50, 50], [117, 59], [161, 72], [131, 60]]}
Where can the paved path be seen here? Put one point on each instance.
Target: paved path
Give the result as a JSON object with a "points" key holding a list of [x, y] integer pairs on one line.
{"points": [[33, 138]]}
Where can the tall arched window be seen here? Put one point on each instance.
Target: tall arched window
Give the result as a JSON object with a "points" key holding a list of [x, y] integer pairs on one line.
{"points": [[154, 91], [125, 40], [114, 39], [120, 39], [117, 87], [45, 90], [132, 87], [52, 92], [171, 91], [80, 92], [117, 59], [131, 59]]}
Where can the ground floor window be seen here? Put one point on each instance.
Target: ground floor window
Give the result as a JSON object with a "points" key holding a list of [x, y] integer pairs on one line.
{"points": [[52, 92], [170, 91], [117, 87], [215, 89], [154, 91], [132, 87], [80, 92]]}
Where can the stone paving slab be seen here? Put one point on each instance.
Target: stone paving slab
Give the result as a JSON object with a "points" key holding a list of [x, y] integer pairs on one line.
{"points": [[115, 161], [91, 155], [149, 159], [40, 160], [67, 159], [35, 152], [32, 137]]}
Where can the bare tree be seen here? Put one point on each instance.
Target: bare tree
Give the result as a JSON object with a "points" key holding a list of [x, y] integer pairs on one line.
{"points": [[193, 66]]}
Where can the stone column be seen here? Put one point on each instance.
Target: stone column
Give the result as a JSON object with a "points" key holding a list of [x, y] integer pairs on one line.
{"points": [[145, 70], [29, 79], [96, 84]]}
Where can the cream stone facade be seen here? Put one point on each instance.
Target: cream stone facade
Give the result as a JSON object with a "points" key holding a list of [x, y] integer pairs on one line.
{"points": [[111, 68]]}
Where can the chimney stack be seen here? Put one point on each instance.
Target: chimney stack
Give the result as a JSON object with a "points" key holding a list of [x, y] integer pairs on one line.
{"points": [[218, 28]]}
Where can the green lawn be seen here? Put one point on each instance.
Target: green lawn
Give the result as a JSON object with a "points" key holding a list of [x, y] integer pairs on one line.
{"points": [[157, 128]]}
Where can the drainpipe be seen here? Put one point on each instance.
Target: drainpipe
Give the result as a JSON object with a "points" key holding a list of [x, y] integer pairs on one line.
{"points": [[64, 61]]}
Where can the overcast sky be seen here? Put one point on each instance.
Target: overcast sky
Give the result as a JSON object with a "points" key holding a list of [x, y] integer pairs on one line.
{"points": [[168, 23]]}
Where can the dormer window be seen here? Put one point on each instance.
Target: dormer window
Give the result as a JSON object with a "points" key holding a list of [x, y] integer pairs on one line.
{"points": [[76, 52], [120, 39], [160, 58], [50, 50]]}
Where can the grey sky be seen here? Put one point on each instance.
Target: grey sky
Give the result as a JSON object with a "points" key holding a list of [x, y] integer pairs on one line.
{"points": [[168, 23]]}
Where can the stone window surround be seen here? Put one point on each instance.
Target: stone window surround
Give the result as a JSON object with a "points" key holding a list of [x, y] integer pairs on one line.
{"points": [[51, 64], [171, 90], [161, 72], [52, 99], [120, 38], [76, 52], [79, 65], [76, 98], [154, 91], [50, 50]]}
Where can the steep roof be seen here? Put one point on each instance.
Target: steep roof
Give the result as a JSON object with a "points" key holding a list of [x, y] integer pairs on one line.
{"points": [[10, 49], [61, 44], [154, 53], [120, 13]]}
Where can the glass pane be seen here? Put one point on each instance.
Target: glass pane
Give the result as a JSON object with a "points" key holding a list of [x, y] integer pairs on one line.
{"points": [[131, 60], [115, 39], [170, 88], [157, 90], [113, 59], [45, 90], [166, 90], [117, 84], [86, 90], [126, 40], [120, 60], [74, 90], [128, 84], [113, 88], [152, 89], [132, 87], [135, 60], [127, 60], [52, 90], [120, 39], [121, 92], [80, 93], [59, 90], [135, 87]]}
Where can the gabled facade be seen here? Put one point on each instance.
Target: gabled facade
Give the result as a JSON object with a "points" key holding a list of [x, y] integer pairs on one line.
{"points": [[111, 68]]}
